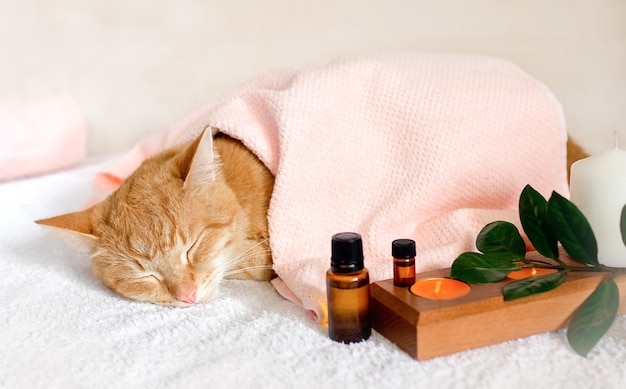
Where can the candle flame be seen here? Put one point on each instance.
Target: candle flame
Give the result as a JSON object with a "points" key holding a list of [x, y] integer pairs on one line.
{"points": [[437, 286]]}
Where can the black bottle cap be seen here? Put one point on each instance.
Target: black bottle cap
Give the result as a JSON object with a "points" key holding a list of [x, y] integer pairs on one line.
{"points": [[403, 248], [347, 253]]}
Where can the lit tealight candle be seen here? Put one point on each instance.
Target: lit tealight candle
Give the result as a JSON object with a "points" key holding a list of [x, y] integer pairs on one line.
{"points": [[598, 188], [440, 288], [529, 272]]}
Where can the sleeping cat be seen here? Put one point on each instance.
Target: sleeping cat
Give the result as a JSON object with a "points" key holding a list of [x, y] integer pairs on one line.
{"points": [[184, 220]]}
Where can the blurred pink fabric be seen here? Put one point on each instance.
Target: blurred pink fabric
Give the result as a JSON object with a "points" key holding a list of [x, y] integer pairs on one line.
{"points": [[424, 146], [41, 136]]}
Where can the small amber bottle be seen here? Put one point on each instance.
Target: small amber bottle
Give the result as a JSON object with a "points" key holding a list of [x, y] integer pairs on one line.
{"points": [[403, 252], [348, 290]]}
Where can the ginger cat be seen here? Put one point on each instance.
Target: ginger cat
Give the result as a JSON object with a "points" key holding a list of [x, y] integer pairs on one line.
{"points": [[184, 220]]}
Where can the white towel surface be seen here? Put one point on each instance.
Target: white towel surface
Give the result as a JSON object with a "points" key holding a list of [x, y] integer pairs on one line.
{"points": [[61, 328]]}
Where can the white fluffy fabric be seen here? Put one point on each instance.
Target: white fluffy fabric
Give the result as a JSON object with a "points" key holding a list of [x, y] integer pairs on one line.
{"points": [[61, 328]]}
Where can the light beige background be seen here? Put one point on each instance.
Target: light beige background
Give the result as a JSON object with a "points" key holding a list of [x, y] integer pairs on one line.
{"points": [[138, 65]]}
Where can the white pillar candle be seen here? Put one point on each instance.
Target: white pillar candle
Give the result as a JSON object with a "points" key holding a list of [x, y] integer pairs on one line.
{"points": [[598, 189]]}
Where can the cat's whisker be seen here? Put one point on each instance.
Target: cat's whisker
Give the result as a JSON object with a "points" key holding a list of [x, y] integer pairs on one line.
{"points": [[250, 260], [235, 268], [247, 269], [234, 262], [248, 254], [244, 256], [259, 243]]}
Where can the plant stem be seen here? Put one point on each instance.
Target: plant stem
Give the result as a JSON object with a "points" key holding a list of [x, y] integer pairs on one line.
{"points": [[610, 269], [543, 264], [562, 266]]}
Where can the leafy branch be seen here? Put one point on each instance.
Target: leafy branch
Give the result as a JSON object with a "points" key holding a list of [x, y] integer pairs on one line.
{"points": [[546, 224]]}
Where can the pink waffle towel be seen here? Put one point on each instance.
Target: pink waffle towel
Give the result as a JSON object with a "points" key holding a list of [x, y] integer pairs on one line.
{"points": [[42, 136], [424, 146]]}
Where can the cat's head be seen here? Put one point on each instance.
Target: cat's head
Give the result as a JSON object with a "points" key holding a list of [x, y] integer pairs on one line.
{"points": [[170, 233]]}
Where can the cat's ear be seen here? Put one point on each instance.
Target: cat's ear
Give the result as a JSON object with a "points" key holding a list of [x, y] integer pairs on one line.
{"points": [[204, 161], [75, 222]]}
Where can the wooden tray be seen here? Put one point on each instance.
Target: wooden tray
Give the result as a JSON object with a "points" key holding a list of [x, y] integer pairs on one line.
{"points": [[427, 328]]}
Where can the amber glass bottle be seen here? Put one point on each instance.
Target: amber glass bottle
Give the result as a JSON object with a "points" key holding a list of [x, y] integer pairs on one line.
{"points": [[348, 290], [403, 252]]}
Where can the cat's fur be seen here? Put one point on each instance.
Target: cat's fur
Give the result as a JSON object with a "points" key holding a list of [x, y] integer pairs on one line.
{"points": [[184, 220]]}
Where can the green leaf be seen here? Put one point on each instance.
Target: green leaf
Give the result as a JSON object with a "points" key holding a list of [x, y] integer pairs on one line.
{"points": [[479, 268], [572, 229], [533, 213], [501, 238], [533, 285], [622, 224], [593, 318]]}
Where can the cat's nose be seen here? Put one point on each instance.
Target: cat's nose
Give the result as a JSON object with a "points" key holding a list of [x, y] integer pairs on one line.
{"points": [[187, 296]]}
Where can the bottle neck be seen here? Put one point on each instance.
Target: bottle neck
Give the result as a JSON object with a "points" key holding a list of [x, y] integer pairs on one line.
{"points": [[345, 267]]}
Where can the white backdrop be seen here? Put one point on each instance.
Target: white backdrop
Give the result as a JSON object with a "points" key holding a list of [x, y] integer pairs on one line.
{"points": [[136, 66]]}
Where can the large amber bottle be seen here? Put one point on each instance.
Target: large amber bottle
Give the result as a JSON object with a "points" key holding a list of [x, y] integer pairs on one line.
{"points": [[348, 290]]}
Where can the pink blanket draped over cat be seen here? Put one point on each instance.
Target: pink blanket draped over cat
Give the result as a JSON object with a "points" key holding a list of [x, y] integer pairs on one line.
{"points": [[424, 146]]}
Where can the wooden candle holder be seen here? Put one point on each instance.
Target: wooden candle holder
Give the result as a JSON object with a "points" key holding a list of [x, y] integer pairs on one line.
{"points": [[427, 328]]}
